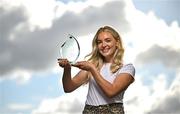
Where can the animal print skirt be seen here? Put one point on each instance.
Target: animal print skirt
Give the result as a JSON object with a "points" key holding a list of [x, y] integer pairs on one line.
{"points": [[114, 108]]}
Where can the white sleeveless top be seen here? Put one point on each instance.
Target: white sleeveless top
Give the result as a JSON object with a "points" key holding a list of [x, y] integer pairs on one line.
{"points": [[96, 96]]}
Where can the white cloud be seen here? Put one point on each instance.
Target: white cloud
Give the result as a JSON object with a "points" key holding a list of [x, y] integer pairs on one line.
{"points": [[169, 102], [135, 98], [154, 42], [39, 13], [35, 49], [17, 108], [65, 104], [21, 76], [148, 31], [42, 13]]}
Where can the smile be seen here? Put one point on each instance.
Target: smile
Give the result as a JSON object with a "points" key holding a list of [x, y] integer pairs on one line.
{"points": [[105, 50]]}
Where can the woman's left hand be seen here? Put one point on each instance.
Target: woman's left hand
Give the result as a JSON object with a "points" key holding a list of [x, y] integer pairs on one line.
{"points": [[84, 65]]}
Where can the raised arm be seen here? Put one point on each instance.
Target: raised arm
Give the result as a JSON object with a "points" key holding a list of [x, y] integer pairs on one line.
{"points": [[69, 83]]}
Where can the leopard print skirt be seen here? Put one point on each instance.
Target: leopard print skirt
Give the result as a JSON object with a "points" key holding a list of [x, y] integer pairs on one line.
{"points": [[114, 108]]}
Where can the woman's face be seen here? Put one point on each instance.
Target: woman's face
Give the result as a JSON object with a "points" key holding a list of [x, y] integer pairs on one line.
{"points": [[106, 45]]}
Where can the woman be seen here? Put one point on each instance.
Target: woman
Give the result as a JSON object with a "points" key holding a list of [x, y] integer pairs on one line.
{"points": [[105, 72]]}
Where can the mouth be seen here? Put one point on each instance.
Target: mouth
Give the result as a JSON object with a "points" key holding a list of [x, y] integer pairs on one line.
{"points": [[105, 50]]}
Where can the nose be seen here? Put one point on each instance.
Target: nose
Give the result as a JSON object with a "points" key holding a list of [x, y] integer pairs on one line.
{"points": [[104, 44]]}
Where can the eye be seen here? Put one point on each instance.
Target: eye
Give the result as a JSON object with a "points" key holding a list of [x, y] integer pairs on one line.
{"points": [[99, 41], [108, 40]]}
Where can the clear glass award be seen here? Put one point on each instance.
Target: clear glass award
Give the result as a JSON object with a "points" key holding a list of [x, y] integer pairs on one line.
{"points": [[70, 49]]}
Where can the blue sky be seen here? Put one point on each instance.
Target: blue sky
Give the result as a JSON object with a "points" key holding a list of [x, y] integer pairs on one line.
{"points": [[165, 9], [38, 88], [30, 79]]}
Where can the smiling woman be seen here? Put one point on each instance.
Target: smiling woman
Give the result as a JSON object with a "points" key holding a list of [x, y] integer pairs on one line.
{"points": [[107, 75]]}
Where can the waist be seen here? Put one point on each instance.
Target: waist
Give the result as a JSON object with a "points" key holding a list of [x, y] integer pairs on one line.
{"points": [[106, 105]]}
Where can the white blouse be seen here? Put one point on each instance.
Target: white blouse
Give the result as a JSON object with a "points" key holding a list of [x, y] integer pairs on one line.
{"points": [[96, 96]]}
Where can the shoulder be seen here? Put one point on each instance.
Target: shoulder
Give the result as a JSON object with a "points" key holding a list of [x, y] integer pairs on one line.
{"points": [[128, 68]]}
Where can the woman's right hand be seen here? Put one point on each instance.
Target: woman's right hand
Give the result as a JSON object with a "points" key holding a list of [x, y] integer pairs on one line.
{"points": [[64, 63]]}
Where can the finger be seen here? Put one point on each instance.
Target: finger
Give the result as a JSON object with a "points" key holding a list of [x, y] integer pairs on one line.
{"points": [[75, 65], [59, 59]]}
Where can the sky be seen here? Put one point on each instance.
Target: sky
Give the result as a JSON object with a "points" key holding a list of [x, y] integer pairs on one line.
{"points": [[30, 78]]}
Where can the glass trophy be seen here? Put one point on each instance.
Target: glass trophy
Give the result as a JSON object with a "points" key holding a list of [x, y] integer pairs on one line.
{"points": [[70, 49]]}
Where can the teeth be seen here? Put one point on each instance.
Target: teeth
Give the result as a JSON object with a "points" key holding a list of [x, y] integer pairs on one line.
{"points": [[105, 50]]}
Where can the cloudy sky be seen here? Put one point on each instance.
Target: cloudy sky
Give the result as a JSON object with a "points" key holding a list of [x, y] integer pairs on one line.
{"points": [[30, 79]]}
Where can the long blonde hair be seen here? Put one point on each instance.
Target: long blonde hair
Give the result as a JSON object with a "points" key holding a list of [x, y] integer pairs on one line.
{"points": [[96, 58]]}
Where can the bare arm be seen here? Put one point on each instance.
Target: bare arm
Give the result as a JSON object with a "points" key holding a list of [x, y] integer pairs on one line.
{"points": [[69, 83], [120, 83]]}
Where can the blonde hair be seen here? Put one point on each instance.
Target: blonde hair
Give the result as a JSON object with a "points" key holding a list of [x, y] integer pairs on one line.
{"points": [[96, 58]]}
